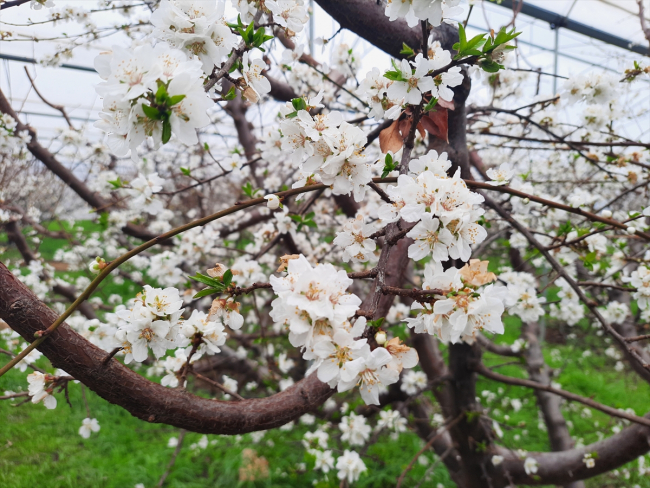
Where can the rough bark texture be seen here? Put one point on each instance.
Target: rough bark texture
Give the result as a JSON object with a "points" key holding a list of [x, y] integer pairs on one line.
{"points": [[117, 384], [473, 434]]}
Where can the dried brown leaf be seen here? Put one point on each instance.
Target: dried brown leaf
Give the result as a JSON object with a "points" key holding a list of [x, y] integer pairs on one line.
{"points": [[436, 123], [390, 138]]}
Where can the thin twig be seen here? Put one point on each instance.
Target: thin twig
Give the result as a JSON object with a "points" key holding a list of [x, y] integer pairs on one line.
{"points": [[170, 465], [637, 338], [60, 108], [219, 386]]}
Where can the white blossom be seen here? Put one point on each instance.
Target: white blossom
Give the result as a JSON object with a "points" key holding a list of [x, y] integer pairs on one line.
{"points": [[350, 466], [40, 390], [88, 426]]}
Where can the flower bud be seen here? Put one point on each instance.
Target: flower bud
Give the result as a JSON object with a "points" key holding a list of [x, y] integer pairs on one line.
{"points": [[272, 202], [631, 230], [526, 201], [606, 213], [380, 337], [96, 265]]}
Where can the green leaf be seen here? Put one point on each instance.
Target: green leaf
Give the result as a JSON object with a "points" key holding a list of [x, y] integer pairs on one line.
{"points": [[472, 52], [103, 220], [205, 146], [475, 41], [161, 93], [489, 45], [151, 112], [389, 165], [407, 50], [227, 278], [249, 190], [296, 218], [185, 171], [166, 131], [310, 215], [299, 103], [490, 66], [260, 37], [564, 229], [176, 99], [207, 280], [394, 76], [504, 36], [462, 38], [118, 183], [248, 34], [432, 103], [205, 292], [231, 95], [375, 323]]}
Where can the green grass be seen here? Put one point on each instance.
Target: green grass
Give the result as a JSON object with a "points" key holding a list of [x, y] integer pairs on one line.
{"points": [[40, 447]]}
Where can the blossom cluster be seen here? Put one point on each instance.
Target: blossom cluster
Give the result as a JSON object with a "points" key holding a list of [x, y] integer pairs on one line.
{"points": [[197, 27], [462, 305], [445, 210], [570, 309], [355, 239], [40, 389], [150, 92], [527, 304], [313, 305], [326, 147], [409, 82], [153, 322]]}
